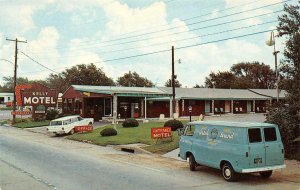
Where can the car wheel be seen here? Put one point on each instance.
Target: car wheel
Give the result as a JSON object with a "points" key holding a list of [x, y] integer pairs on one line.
{"points": [[192, 163], [72, 132], [266, 174], [228, 172]]}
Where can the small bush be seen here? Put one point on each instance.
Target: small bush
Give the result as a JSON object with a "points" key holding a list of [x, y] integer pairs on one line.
{"points": [[108, 132], [174, 124], [130, 122], [51, 114]]}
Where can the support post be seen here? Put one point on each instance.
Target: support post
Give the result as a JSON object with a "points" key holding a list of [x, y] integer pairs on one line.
{"points": [[171, 110], [173, 83], [15, 75], [145, 107], [213, 106]]}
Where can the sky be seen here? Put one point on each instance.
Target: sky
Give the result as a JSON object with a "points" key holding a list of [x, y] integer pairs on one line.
{"points": [[137, 35]]}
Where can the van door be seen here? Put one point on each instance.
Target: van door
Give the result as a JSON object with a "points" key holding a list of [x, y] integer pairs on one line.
{"points": [[273, 146], [256, 148]]}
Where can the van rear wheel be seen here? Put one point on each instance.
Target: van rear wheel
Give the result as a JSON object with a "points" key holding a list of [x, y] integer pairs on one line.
{"points": [[228, 172], [266, 174], [192, 163]]}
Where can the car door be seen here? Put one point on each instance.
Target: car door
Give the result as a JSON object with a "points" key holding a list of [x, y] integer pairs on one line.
{"points": [[273, 146], [186, 140], [256, 148]]}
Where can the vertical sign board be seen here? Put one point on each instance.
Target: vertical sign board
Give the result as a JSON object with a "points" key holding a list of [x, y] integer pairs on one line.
{"points": [[38, 96], [161, 132]]}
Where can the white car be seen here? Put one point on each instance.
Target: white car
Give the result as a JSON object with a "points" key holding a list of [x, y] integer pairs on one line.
{"points": [[66, 125]]}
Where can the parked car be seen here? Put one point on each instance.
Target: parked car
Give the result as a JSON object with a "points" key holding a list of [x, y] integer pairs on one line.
{"points": [[233, 147], [66, 125]]}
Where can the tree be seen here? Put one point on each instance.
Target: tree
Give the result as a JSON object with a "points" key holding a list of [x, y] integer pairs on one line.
{"points": [[255, 74], [198, 86], [86, 75], [56, 81], [243, 75], [9, 83], [220, 80], [134, 79], [168, 83], [287, 116]]}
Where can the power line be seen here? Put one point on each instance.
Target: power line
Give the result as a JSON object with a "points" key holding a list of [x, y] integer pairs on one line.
{"points": [[184, 47], [172, 28], [184, 39], [162, 36], [38, 62], [179, 48]]}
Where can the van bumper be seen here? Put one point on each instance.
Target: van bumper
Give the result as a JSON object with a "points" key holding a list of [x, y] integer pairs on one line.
{"points": [[261, 169]]}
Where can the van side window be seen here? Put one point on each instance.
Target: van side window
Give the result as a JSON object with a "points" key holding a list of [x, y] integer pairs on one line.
{"points": [[270, 134], [254, 135]]}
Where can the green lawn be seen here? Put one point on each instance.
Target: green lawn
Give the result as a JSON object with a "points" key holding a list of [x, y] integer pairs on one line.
{"points": [[140, 134], [30, 124]]}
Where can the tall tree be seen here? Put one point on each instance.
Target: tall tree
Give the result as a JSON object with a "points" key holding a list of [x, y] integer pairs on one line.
{"points": [[57, 82], [288, 117], [242, 76], [220, 80], [168, 83], [255, 74], [134, 79], [289, 27], [86, 75], [9, 83]]}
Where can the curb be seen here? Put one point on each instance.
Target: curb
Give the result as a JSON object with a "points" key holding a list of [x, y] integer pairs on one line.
{"points": [[130, 149]]}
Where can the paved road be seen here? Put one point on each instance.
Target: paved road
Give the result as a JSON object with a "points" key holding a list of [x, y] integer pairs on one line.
{"points": [[57, 163]]}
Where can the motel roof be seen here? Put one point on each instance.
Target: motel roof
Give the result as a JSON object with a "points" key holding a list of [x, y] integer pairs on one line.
{"points": [[272, 93], [214, 93], [122, 91]]}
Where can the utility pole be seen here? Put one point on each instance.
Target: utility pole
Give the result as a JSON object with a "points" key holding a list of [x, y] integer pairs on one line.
{"points": [[15, 75], [173, 84]]}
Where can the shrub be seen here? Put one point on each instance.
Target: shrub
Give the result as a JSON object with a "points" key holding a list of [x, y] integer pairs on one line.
{"points": [[288, 123], [174, 124], [51, 114], [130, 122], [108, 132]]}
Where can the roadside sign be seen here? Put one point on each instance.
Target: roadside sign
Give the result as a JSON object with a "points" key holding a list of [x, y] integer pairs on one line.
{"points": [[81, 129], [161, 132], [21, 113]]}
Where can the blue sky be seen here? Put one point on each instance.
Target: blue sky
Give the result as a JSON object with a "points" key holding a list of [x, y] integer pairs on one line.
{"points": [[64, 33]]}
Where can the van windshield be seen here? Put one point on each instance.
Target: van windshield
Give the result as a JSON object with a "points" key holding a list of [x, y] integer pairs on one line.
{"points": [[55, 123]]}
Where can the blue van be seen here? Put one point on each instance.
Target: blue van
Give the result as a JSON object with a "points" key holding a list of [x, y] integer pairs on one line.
{"points": [[233, 147]]}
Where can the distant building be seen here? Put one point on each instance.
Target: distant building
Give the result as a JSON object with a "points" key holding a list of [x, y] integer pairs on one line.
{"points": [[145, 102], [6, 97]]}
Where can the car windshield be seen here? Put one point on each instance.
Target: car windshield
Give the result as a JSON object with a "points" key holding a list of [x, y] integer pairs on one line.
{"points": [[55, 123]]}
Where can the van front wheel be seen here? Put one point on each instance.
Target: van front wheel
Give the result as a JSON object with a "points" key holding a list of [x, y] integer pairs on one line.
{"points": [[192, 163], [266, 174], [228, 172]]}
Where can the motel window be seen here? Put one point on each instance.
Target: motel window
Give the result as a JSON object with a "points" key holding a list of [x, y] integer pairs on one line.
{"points": [[8, 98], [254, 135]]}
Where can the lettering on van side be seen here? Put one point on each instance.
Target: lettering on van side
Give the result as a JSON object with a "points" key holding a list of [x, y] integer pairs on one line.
{"points": [[226, 135]]}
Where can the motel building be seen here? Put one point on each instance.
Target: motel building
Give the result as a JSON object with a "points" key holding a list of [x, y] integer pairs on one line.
{"points": [[101, 102]]}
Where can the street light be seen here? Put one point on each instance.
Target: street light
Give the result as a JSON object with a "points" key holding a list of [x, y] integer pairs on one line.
{"points": [[271, 42], [190, 110]]}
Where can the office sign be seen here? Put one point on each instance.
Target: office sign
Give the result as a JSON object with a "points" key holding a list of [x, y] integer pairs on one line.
{"points": [[161, 132]]}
